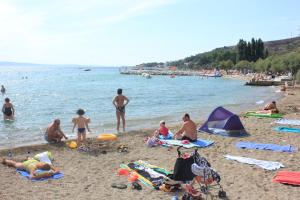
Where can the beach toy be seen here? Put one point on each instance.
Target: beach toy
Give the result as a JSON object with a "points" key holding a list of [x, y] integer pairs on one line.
{"points": [[72, 145], [133, 177], [106, 137], [123, 172]]}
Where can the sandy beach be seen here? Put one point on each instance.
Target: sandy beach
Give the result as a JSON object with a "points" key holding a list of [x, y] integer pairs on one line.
{"points": [[90, 175]]}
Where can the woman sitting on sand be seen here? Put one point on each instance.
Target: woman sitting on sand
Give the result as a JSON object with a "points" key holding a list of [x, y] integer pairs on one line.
{"points": [[271, 107], [31, 166]]}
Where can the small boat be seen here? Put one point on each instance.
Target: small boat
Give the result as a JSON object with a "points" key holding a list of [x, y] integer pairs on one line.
{"points": [[146, 75], [87, 70]]}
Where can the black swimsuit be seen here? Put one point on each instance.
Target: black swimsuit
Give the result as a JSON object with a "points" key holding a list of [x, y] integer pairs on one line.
{"points": [[121, 109], [7, 111]]}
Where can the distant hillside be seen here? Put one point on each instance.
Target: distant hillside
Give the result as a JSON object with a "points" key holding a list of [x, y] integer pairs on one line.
{"points": [[219, 56], [283, 46]]}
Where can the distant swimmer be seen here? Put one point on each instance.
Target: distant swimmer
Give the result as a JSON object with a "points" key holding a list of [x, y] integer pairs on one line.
{"points": [[3, 90], [120, 101], [54, 133], [271, 107], [8, 110]]}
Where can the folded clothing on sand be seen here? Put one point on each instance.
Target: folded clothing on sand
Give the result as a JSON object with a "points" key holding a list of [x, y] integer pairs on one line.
{"points": [[287, 129], [294, 122], [272, 147], [287, 177], [198, 143], [27, 175], [268, 165]]}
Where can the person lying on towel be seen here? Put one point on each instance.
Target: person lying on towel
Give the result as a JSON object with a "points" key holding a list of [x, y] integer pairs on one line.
{"points": [[31, 166], [271, 107], [188, 131]]}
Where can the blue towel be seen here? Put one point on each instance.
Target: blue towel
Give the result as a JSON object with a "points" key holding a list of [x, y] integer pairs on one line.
{"points": [[169, 136], [287, 129], [272, 147], [26, 174]]}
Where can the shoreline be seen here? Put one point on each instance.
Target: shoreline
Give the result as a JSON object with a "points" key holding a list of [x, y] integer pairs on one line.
{"points": [[90, 175]]}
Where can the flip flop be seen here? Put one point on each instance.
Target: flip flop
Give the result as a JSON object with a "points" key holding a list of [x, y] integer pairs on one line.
{"points": [[119, 185]]}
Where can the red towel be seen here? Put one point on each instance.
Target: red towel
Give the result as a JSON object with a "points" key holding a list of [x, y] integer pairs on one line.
{"points": [[292, 178]]}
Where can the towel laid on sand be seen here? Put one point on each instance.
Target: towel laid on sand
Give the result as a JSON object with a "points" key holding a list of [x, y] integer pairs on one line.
{"points": [[168, 137], [268, 165], [265, 115], [287, 129], [272, 147], [198, 143], [293, 122], [287, 177], [26, 174]]}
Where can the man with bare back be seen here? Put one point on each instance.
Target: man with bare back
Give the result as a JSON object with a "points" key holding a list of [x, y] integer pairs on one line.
{"points": [[120, 101]]}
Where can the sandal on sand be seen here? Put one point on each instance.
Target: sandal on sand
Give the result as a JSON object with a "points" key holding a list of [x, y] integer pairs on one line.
{"points": [[119, 185], [136, 186], [122, 148]]}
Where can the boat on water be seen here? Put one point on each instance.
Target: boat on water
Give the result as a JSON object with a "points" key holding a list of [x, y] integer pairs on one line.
{"points": [[146, 75]]}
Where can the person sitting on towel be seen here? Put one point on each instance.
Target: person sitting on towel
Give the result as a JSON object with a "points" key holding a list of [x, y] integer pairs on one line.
{"points": [[163, 130], [271, 107], [188, 131], [31, 166]]}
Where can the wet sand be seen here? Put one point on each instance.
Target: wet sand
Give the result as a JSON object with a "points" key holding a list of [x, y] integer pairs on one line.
{"points": [[90, 175]]}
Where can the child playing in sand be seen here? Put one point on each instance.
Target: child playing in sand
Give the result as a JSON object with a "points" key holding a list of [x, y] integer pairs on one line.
{"points": [[82, 123]]}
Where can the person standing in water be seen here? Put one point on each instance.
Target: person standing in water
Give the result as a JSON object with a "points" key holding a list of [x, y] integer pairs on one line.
{"points": [[82, 124], [3, 90], [120, 101], [8, 110]]}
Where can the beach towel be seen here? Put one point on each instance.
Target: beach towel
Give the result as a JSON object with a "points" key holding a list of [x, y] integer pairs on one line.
{"points": [[199, 143], [287, 129], [54, 176], [155, 168], [263, 115], [293, 122], [287, 177], [268, 165], [272, 147], [168, 137]]}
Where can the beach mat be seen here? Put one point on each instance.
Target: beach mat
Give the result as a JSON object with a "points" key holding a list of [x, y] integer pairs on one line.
{"points": [[260, 146], [168, 137], [200, 143], [268, 165], [263, 115], [287, 177], [293, 122], [27, 175], [287, 129]]}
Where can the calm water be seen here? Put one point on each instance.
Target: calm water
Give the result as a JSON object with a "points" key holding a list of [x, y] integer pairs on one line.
{"points": [[50, 92]]}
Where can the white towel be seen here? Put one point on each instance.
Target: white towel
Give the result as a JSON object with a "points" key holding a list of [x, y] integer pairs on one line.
{"points": [[294, 122], [268, 165]]}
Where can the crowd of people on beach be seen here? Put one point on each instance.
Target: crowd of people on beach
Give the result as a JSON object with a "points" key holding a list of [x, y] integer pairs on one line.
{"points": [[54, 133]]}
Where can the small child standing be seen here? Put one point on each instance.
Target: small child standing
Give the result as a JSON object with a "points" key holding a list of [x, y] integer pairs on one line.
{"points": [[82, 123]]}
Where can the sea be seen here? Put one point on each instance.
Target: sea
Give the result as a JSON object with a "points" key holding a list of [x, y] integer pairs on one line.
{"points": [[42, 93]]}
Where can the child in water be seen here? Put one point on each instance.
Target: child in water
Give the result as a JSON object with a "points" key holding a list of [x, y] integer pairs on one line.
{"points": [[82, 124]]}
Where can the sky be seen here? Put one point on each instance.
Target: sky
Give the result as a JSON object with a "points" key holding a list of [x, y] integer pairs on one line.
{"points": [[130, 32]]}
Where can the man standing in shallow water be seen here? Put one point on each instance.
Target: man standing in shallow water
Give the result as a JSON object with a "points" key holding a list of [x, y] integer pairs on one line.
{"points": [[120, 101]]}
